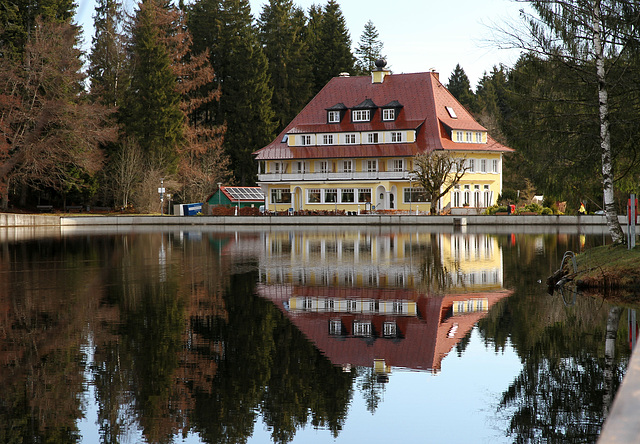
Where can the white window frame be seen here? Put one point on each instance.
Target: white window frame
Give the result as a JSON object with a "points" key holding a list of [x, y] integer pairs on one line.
{"points": [[333, 117], [327, 191], [459, 136], [483, 165], [347, 166], [362, 328], [373, 138], [305, 140], [361, 115], [371, 165], [397, 165], [350, 139], [486, 195], [495, 165], [314, 191], [456, 196], [388, 114], [327, 139], [468, 137], [343, 191], [390, 329], [323, 166], [478, 137], [471, 165], [364, 191], [396, 136], [302, 167]]}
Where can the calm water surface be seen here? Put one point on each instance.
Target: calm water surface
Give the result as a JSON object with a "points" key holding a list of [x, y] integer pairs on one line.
{"points": [[213, 335]]}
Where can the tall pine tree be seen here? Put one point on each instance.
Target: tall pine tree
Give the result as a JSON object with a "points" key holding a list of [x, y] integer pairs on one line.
{"points": [[18, 18], [331, 44], [152, 111], [225, 28], [460, 87], [282, 34], [107, 60], [369, 49]]}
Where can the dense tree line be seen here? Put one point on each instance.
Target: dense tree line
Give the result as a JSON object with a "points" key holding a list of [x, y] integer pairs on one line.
{"points": [[569, 106], [179, 91], [186, 91]]}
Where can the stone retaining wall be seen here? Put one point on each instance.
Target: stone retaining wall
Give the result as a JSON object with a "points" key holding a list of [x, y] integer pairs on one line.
{"points": [[30, 220]]}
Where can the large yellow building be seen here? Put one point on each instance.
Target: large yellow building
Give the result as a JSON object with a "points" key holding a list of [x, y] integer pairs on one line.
{"points": [[352, 147]]}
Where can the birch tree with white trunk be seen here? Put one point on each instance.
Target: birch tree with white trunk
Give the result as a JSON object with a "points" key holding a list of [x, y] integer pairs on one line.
{"points": [[591, 37]]}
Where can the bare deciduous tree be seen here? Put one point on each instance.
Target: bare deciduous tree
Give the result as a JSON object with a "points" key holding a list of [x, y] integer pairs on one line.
{"points": [[49, 131], [437, 172], [127, 167]]}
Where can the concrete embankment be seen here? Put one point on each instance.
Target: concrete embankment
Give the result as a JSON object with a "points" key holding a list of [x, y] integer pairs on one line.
{"points": [[622, 425], [35, 220]]}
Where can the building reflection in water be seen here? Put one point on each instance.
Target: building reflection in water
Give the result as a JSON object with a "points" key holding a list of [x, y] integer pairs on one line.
{"points": [[383, 301]]}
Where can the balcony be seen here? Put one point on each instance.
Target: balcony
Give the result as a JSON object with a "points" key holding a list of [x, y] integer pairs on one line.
{"points": [[316, 177]]}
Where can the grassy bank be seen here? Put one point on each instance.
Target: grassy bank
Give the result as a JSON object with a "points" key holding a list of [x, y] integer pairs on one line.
{"points": [[609, 268]]}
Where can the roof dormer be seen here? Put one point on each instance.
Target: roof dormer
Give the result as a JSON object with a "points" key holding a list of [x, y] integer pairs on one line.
{"points": [[364, 111], [336, 113], [391, 110]]}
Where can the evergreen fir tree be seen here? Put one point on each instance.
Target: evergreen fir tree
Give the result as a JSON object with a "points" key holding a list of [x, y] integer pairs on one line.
{"points": [[282, 36], [331, 50], [18, 17], [107, 59], [225, 29], [369, 49], [152, 111], [460, 87]]}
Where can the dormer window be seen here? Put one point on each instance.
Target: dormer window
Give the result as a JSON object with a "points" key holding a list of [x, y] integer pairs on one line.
{"points": [[361, 115], [364, 111], [390, 111], [336, 113], [334, 117]]}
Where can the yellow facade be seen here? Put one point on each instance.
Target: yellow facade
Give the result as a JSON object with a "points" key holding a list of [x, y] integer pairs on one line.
{"points": [[381, 122], [478, 189], [473, 262]]}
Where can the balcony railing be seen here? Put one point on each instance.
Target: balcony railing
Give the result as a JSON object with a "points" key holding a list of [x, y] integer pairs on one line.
{"points": [[360, 175]]}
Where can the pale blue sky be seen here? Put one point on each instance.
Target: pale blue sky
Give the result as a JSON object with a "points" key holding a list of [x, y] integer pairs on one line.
{"points": [[418, 35]]}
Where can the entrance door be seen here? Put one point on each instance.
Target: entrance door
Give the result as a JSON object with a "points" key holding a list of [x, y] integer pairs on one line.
{"points": [[391, 201]]}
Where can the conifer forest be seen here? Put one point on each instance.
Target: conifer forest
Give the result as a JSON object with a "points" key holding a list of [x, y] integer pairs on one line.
{"points": [[185, 91]]}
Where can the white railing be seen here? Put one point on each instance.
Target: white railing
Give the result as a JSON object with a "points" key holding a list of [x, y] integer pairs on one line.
{"points": [[360, 175]]}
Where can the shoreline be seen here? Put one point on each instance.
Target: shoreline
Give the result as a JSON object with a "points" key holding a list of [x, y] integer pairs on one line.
{"points": [[11, 220]]}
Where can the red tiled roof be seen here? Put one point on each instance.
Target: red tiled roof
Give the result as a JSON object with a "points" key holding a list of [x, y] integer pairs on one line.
{"points": [[423, 101], [424, 339]]}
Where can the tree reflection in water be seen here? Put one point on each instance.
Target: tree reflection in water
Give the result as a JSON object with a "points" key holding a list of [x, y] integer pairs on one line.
{"points": [[182, 343], [574, 359]]}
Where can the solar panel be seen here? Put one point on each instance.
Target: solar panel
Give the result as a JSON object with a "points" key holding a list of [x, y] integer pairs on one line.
{"points": [[245, 193]]}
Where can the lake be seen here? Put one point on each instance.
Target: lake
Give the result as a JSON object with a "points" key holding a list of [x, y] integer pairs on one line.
{"points": [[334, 334]]}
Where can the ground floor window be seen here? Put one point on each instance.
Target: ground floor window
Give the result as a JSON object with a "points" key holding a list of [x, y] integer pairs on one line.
{"points": [[364, 195], [456, 196], [339, 195], [313, 196], [347, 195], [479, 196], [331, 195], [416, 194], [280, 195]]}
